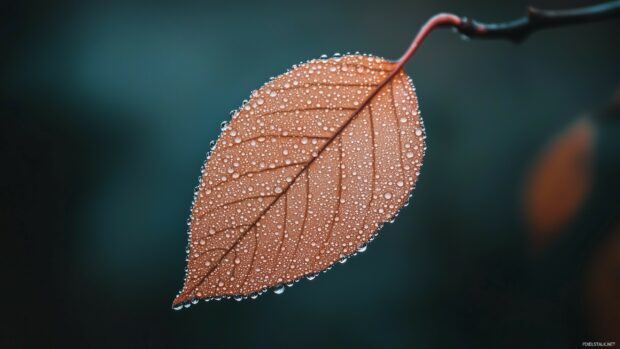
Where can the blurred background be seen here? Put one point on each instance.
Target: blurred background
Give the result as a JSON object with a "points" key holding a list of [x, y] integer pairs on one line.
{"points": [[106, 114]]}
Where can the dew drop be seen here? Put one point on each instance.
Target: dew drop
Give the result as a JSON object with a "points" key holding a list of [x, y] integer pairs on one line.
{"points": [[279, 289], [254, 295], [387, 195]]}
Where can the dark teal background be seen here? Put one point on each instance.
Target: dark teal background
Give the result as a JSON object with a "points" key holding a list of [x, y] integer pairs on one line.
{"points": [[107, 111]]}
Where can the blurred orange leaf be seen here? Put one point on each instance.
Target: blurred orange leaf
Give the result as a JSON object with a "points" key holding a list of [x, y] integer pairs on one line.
{"points": [[603, 289], [558, 182]]}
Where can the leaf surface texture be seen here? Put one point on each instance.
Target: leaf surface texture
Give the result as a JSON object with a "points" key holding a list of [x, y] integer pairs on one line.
{"points": [[303, 176]]}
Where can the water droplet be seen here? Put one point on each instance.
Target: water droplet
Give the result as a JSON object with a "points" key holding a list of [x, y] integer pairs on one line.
{"points": [[278, 190], [279, 289], [387, 195]]}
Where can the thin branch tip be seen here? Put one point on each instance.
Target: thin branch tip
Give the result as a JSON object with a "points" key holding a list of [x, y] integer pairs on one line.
{"points": [[535, 19], [516, 30]]}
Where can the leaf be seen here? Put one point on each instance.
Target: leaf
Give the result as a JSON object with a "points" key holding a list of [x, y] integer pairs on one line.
{"points": [[303, 176], [558, 182], [602, 287]]}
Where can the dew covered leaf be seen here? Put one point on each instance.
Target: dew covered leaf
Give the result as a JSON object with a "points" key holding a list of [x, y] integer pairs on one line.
{"points": [[303, 176]]}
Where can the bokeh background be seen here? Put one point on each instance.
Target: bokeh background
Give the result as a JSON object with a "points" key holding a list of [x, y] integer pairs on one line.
{"points": [[106, 114]]}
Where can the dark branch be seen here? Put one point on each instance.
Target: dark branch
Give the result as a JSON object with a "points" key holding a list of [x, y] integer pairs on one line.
{"points": [[519, 29], [516, 30]]}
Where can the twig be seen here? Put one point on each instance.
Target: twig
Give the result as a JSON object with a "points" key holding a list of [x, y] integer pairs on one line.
{"points": [[516, 30], [519, 29]]}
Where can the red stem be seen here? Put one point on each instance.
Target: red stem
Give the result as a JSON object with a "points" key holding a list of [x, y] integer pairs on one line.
{"points": [[439, 20]]}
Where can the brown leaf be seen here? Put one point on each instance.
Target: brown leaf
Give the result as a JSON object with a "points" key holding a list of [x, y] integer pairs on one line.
{"points": [[602, 287], [303, 176], [559, 182]]}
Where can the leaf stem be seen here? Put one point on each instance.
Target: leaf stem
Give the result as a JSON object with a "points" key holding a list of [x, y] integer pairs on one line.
{"points": [[516, 30]]}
